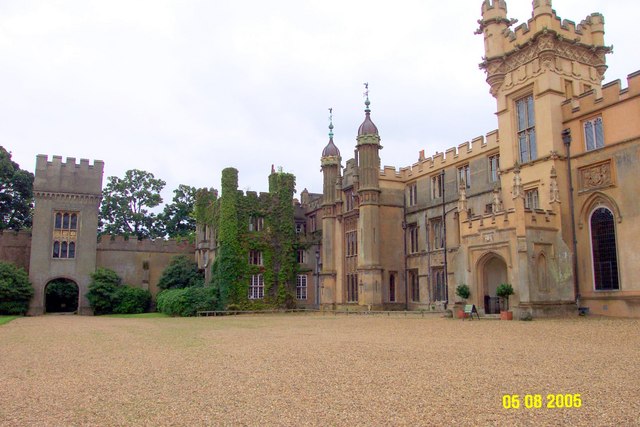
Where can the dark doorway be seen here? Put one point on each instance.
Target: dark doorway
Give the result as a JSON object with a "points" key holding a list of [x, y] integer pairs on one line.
{"points": [[61, 296], [493, 273]]}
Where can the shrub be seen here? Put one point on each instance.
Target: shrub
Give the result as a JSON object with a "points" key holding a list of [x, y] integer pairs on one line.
{"points": [[131, 300], [505, 290], [182, 272], [102, 297], [463, 291], [106, 295], [187, 301], [15, 289]]}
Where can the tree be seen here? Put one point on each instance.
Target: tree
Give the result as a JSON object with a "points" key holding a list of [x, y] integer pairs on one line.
{"points": [[181, 273], [177, 219], [15, 289], [16, 194], [126, 203]]}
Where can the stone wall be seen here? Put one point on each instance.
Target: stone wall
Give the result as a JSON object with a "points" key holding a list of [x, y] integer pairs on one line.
{"points": [[15, 247], [140, 262]]}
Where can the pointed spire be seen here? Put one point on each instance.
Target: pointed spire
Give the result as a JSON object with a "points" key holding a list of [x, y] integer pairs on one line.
{"points": [[367, 102], [331, 123], [331, 150], [367, 127]]}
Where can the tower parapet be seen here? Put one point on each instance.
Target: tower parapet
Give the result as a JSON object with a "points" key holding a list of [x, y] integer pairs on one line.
{"points": [[56, 176], [544, 42]]}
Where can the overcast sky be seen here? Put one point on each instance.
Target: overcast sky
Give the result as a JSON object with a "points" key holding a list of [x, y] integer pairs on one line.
{"points": [[185, 88]]}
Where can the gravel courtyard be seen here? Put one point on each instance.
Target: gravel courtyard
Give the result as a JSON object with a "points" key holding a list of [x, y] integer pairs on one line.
{"points": [[315, 370]]}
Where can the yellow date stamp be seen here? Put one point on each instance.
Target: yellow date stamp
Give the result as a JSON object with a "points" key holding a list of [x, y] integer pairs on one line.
{"points": [[539, 401]]}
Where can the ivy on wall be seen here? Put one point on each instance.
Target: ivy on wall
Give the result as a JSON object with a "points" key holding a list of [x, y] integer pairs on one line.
{"points": [[230, 216]]}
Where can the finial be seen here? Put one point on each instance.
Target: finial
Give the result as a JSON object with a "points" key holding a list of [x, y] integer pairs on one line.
{"points": [[330, 122], [366, 95]]}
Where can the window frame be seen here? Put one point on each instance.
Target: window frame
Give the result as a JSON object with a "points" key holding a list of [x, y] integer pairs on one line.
{"points": [[413, 194], [436, 186], [463, 171], [301, 287], [256, 287], [526, 129], [494, 167], [532, 195], [598, 139]]}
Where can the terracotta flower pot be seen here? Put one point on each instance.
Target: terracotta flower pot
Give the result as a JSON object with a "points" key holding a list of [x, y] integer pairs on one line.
{"points": [[462, 314], [506, 315]]}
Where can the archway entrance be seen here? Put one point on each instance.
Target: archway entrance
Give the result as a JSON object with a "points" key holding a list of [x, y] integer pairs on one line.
{"points": [[61, 296], [493, 272]]}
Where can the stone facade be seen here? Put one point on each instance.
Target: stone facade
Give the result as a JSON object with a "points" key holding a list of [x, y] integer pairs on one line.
{"points": [[65, 223], [499, 209]]}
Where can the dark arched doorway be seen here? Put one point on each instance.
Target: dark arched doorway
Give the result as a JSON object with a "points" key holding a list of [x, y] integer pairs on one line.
{"points": [[492, 272], [61, 296]]}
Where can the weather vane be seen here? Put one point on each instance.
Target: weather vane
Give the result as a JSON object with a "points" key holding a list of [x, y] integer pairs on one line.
{"points": [[366, 90]]}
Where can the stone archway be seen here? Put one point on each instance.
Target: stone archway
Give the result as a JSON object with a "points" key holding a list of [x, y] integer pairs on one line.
{"points": [[61, 296], [492, 271]]}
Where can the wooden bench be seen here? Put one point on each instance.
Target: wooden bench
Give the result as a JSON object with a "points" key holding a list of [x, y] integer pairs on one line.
{"points": [[470, 309]]}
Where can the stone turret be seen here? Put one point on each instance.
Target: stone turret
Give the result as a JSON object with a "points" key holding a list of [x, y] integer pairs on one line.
{"points": [[330, 164], [369, 233], [493, 24]]}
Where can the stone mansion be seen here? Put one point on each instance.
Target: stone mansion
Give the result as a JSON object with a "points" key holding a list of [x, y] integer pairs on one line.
{"points": [[546, 202]]}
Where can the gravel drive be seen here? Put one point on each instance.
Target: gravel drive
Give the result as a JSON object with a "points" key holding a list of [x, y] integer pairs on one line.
{"points": [[315, 370]]}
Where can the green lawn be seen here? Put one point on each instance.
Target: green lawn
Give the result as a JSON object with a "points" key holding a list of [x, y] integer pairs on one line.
{"points": [[138, 316], [7, 319]]}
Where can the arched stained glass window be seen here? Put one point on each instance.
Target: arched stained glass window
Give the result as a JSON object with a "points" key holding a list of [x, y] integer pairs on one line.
{"points": [[72, 249], [63, 250], [56, 249], [604, 250]]}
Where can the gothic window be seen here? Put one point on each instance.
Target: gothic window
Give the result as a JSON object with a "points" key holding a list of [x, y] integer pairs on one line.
{"points": [[256, 223], [302, 256], [313, 225], [531, 199], [604, 250], [65, 234], [413, 239], [301, 287], [526, 129], [414, 285], [352, 287], [436, 186], [256, 287], [413, 194], [593, 133], [350, 200], [437, 232], [255, 257], [392, 288], [494, 167], [464, 173], [439, 287], [352, 243]]}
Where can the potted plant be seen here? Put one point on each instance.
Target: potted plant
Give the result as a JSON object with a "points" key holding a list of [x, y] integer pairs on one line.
{"points": [[504, 291], [463, 292]]}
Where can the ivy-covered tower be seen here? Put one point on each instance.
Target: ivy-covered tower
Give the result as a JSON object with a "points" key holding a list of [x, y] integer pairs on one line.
{"points": [[331, 243], [369, 268]]}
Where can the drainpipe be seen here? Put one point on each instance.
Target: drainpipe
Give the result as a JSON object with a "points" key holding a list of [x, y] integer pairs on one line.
{"points": [[444, 232], [566, 139], [404, 248]]}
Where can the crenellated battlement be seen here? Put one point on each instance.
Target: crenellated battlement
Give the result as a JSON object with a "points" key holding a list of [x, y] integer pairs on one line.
{"points": [[454, 155], [493, 6], [122, 243], [589, 32], [56, 176], [611, 93], [263, 196]]}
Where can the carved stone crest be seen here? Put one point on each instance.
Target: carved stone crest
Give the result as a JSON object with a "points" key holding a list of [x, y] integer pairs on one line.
{"points": [[596, 176]]}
